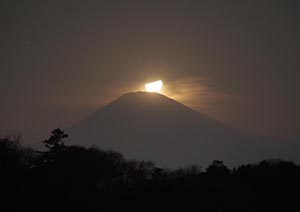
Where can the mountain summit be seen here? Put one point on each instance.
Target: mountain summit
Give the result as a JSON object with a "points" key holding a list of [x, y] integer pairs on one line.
{"points": [[151, 126]]}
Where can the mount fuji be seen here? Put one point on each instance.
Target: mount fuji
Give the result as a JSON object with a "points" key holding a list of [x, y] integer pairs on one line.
{"points": [[151, 126]]}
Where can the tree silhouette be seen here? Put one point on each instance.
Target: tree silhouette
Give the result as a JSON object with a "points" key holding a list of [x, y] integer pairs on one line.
{"points": [[56, 140], [217, 168], [76, 178], [54, 144]]}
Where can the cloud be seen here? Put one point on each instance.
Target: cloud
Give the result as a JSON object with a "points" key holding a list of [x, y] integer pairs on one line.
{"points": [[197, 92]]}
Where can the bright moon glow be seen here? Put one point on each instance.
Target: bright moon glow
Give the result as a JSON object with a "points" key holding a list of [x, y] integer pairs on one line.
{"points": [[154, 86]]}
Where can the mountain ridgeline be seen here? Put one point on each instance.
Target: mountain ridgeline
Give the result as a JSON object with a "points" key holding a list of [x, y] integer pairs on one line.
{"points": [[151, 126]]}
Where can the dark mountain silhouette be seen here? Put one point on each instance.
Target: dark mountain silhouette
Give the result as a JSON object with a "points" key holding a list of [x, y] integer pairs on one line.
{"points": [[151, 126]]}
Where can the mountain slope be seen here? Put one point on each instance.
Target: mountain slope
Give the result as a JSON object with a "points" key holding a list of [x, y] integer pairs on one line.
{"points": [[150, 126]]}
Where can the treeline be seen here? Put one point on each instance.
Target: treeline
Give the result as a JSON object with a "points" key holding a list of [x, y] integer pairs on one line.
{"points": [[75, 178]]}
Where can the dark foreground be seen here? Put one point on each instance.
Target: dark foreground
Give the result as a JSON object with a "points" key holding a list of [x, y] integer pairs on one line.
{"points": [[74, 178]]}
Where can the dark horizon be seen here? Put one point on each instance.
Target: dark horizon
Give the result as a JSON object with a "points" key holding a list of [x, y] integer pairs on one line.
{"points": [[76, 178]]}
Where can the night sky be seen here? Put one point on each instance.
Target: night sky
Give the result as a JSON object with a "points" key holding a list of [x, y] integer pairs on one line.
{"points": [[236, 61]]}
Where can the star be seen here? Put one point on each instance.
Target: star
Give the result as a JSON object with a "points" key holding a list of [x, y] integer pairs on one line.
{"points": [[260, 26]]}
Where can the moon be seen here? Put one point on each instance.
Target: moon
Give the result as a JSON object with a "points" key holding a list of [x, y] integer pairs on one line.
{"points": [[154, 86]]}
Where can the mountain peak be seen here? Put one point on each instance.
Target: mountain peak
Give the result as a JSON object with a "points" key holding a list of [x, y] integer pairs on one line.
{"points": [[146, 101], [144, 96], [140, 93]]}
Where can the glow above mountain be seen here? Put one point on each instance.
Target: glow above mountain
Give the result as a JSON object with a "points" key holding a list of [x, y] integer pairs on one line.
{"points": [[154, 86]]}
